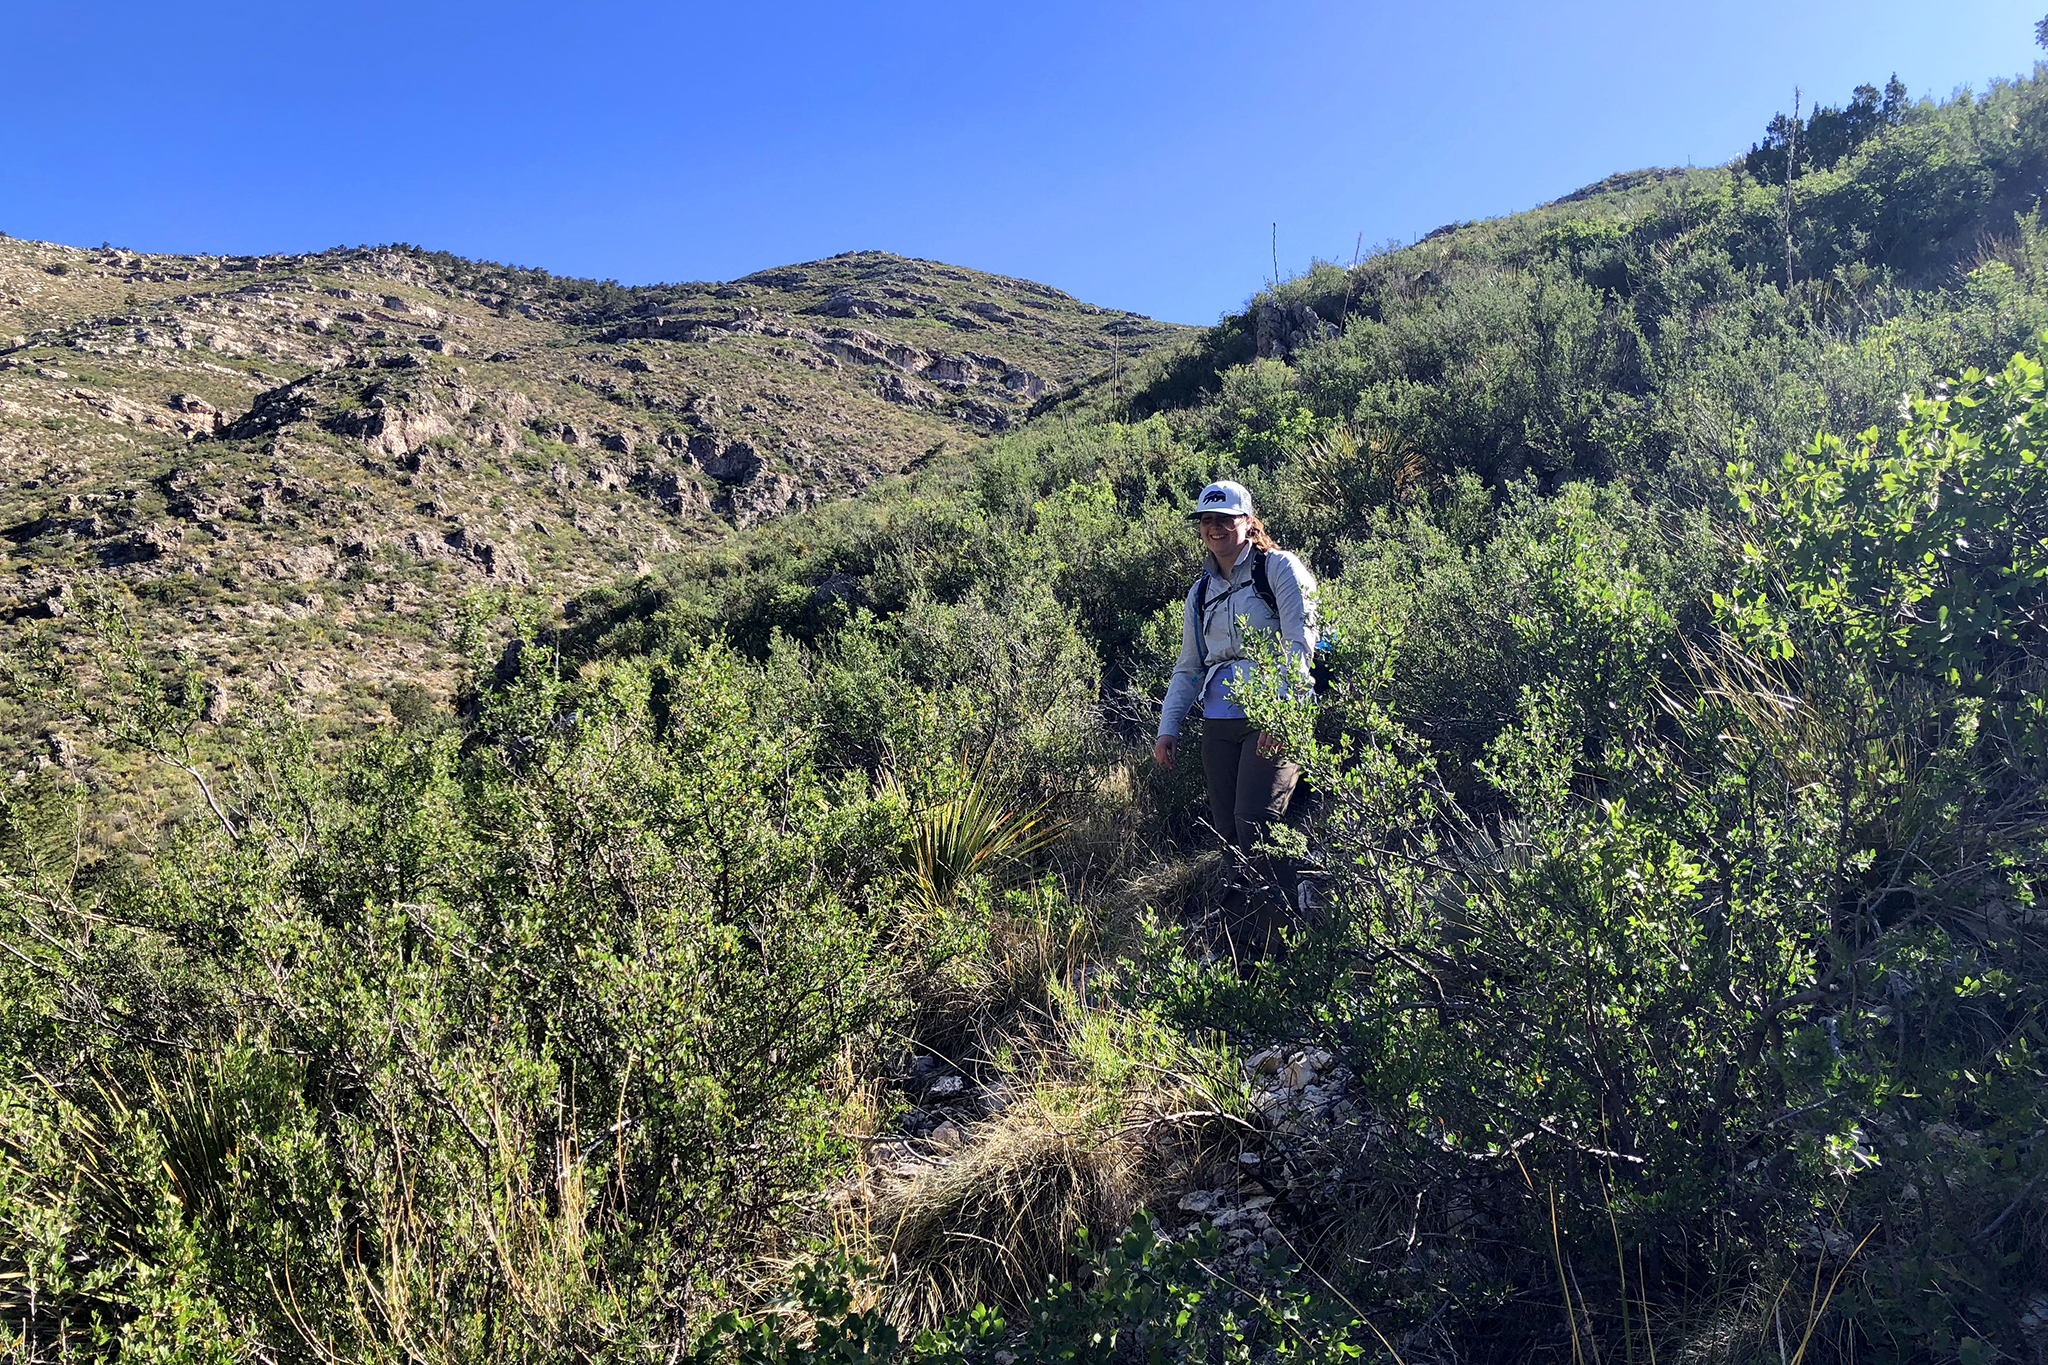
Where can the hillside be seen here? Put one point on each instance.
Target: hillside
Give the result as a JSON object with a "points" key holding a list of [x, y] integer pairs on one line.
{"points": [[797, 954], [313, 457]]}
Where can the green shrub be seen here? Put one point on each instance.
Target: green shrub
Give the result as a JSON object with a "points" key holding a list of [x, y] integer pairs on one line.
{"points": [[1137, 1298], [499, 1040], [1729, 960]]}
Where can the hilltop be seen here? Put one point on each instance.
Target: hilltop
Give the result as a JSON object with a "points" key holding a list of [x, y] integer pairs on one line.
{"points": [[312, 456]]}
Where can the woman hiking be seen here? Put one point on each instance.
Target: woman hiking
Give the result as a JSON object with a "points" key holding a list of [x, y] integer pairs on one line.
{"points": [[1248, 585]]}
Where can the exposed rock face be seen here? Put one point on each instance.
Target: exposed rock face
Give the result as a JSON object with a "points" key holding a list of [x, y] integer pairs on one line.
{"points": [[392, 430], [1281, 329], [733, 462], [199, 416], [759, 500], [678, 494], [496, 561], [994, 381], [142, 546], [846, 304], [985, 415], [302, 563], [274, 410], [897, 390]]}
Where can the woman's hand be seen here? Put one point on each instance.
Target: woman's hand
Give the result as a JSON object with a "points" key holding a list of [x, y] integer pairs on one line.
{"points": [[1162, 752], [1270, 747]]}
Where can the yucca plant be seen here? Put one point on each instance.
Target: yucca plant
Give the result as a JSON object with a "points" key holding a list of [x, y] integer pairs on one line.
{"points": [[975, 832]]}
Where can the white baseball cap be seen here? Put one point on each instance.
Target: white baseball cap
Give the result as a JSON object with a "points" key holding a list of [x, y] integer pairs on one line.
{"points": [[1231, 499]]}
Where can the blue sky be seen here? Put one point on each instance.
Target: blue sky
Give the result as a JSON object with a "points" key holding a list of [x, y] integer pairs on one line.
{"points": [[1135, 155]]}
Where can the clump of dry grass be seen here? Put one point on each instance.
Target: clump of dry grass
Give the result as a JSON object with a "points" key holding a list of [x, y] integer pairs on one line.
{"points": [[1111, 1108], [995, 1223], [1107, 840]]}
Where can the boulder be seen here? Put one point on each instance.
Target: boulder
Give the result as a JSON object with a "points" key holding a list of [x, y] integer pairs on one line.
{"points": [[1281, 329], [495, 561], [734, 462], [391, 429]]}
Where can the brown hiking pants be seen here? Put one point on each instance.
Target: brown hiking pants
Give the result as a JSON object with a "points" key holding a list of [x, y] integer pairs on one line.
{"points": [[1246, 792]]}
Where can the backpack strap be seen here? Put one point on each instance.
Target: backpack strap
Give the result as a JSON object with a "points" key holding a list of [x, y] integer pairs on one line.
{"points": [[1263, 585]]}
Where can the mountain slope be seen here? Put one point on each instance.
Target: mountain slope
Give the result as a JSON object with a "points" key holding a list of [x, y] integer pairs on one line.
{"points": [[312, 455]]}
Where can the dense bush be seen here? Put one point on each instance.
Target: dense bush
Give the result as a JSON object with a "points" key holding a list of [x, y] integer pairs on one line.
{"points": [[1733, 963], [505, 1040]]}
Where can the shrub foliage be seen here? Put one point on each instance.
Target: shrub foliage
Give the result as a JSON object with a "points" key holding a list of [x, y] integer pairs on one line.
{"points": [[1680, 802]]}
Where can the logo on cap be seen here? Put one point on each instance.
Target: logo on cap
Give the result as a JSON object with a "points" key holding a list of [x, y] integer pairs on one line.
{"points": [[1213, 495]]}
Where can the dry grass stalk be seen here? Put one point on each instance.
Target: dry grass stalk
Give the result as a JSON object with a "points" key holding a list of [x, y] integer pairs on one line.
{"points": [[1112, 1115], [995, 1223]]}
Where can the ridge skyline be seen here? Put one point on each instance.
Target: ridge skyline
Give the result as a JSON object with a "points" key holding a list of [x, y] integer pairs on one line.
{"points": [[1128, 155]]}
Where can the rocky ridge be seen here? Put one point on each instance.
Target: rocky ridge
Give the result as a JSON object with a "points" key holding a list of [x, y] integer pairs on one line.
{"points": [[309, 459]]}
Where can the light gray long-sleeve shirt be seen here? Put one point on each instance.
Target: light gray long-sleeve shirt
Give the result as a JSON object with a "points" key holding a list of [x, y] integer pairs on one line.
{"points": [[1212, 636]]}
